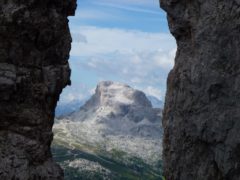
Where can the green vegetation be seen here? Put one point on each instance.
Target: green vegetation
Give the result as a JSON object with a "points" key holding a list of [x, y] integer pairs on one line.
{"points": [[121, 166], [74, 174]]}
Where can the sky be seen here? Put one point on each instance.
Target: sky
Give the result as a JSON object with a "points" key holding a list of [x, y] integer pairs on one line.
{"points": [[126, 41]]}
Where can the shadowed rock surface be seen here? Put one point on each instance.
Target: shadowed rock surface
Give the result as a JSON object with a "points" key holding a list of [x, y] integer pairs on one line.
{"points": [[34, 49], [202, 110]]}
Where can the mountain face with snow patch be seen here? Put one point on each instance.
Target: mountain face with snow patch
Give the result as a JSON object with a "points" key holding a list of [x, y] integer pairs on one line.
{"points": [[117, 122]]}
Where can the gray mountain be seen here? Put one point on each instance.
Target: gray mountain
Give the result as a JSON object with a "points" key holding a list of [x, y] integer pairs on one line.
{"points": [[156, 103], [117, 108], [116, 120]]}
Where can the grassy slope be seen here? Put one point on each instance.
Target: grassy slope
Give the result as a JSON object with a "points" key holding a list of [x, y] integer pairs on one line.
{"points": [[137, 170]]}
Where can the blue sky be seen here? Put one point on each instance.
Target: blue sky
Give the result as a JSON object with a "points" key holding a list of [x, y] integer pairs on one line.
{"points": [[119, 40]]}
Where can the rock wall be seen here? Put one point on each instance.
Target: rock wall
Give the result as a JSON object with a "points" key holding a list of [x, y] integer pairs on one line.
{"points": [[202, 110], [34, 48]]}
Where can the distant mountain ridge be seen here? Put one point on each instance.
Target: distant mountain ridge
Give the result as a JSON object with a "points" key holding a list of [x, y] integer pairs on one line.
{"points": [[64, 109]]}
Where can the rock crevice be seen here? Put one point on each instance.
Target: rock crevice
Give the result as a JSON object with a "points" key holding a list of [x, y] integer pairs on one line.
{"points": [[34, 49]]}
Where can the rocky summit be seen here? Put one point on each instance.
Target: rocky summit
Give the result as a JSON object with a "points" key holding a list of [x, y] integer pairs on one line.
{"points": [[118, 122], [34, 48]]}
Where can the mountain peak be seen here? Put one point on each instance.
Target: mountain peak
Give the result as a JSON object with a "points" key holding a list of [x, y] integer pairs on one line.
{"points": [[116, 101], [117, 117], [110, 93]]}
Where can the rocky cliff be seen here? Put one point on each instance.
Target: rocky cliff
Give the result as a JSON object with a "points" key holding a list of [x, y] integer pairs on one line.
{"points": [[202, 110], [34, 49]]}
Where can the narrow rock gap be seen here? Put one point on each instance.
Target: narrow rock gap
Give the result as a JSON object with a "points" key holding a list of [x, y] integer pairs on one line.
{"points": [[101, 129]]}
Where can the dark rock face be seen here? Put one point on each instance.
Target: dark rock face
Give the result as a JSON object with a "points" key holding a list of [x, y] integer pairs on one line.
{"points": [[202, 110], [34, 49]]}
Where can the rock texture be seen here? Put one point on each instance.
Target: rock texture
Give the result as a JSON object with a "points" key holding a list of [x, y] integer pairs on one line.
{"points": [[202, 110], [34, 49]]}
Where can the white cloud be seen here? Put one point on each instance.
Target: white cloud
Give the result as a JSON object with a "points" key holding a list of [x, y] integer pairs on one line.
{"points": [[153, 92], [119, 66], [129, 64], [72, 96], [69, 96], [76, 92], [164, 59], [122, 6], [116, 11], [79, 38], [107, 40], [137, 58], [95, 14]]}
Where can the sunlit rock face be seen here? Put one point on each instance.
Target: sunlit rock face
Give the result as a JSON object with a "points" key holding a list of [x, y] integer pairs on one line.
{"points": [[116, 117], [202, 111], [34, 49]]}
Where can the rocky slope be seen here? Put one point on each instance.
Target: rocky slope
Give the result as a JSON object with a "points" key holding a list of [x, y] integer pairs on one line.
{"points": [[201, 116], [117, 120], [64, 109], [34, 49]]}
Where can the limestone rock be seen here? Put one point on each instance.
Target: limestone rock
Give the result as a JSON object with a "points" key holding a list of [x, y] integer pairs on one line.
{"points": [[34, 49], [202, 111]]}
